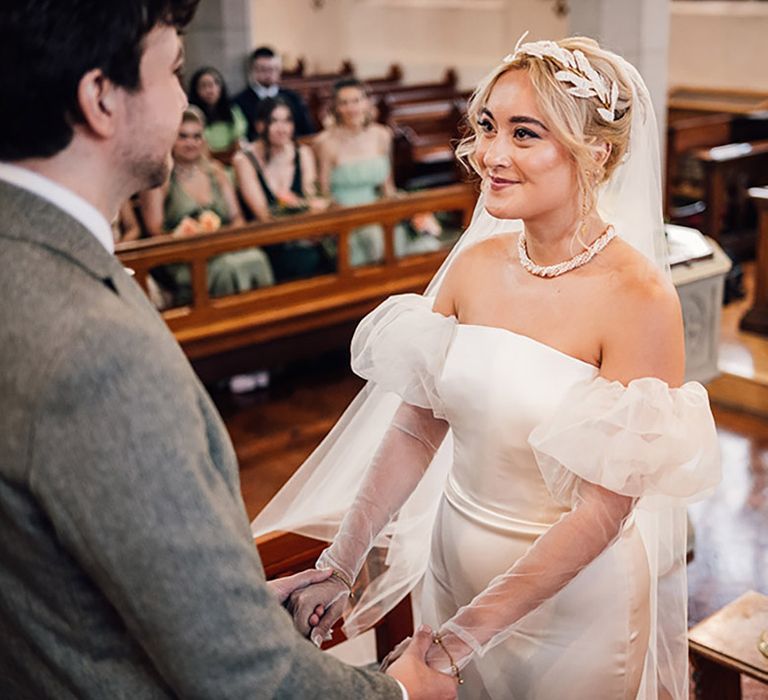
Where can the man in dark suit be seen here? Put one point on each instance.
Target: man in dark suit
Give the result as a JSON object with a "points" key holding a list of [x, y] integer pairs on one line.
{"points": [[127, 568], [264, 68]]}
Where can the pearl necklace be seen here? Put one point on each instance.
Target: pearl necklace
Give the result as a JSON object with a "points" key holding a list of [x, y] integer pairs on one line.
{"points": [[567, 265]]}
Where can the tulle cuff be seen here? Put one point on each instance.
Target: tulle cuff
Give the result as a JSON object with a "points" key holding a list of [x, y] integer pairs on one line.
{"points": [[401, 346], [644, 440]]}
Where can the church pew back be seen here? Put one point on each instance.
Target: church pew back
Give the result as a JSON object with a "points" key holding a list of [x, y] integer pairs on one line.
{"points": [[209, 326]]}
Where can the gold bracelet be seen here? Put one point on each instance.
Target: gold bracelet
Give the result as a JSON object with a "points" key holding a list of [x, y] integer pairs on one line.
{"points": [[438, 639], [338, 575]]}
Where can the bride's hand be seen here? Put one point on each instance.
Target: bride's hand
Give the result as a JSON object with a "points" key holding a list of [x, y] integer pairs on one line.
{"points": [[394, 655], [316, 608]]}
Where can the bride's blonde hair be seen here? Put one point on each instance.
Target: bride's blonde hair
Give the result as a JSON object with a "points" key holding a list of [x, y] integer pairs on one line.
{"points": [[574, 121]]}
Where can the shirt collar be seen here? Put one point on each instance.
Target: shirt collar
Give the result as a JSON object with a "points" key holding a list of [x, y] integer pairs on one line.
{"points": [[263, 92], [66, 200]]}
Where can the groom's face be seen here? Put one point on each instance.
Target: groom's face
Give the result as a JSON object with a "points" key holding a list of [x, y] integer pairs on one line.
{"points": [[153, 112], [527, 171]]}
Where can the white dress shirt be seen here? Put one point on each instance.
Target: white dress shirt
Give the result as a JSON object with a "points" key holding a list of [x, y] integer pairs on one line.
{"points": [[61, 197], [262, 91]]}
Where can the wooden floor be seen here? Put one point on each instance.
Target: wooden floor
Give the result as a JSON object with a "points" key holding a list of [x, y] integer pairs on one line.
{"points": [[276, 429]]}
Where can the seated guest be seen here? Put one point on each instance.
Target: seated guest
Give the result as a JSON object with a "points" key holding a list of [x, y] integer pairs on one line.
{"points": [[277, 177], [264, 68], [199, 198], [355, 163], [226, 124]]}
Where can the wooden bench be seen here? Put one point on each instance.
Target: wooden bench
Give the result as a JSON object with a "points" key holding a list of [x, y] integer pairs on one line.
{"points": [[716, 100], [286, 553], [739, 165], [425, 136], [305, 84], [317, 90], [387, 100], [686, 131], [321, 310], [756, 318], [725, 645]]}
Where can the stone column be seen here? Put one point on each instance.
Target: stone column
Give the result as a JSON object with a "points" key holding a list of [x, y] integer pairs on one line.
{"points": [[220, 36], [639, 31]]}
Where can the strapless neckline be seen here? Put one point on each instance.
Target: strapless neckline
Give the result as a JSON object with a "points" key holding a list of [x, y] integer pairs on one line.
{"points": [[532, 341]]}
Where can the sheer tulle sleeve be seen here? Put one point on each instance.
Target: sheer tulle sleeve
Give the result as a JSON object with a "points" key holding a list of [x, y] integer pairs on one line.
{"points": [[401, 346], [644, 440], [606, 452]]}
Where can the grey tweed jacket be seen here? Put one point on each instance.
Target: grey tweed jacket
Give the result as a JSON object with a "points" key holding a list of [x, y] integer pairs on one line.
{"points": [[127, 568]]}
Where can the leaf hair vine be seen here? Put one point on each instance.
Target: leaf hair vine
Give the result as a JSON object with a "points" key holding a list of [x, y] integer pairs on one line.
{"points": [[575, 69]]}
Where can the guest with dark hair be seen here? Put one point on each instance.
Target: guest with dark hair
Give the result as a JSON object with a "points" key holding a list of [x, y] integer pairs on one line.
{"points": [[264, 69], [277, 177], [226, 124]]}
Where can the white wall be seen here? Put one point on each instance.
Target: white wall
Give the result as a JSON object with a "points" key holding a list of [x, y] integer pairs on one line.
{"points": [[719, 44], [424, 36]]}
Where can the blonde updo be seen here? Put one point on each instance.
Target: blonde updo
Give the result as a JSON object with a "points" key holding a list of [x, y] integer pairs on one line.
{"points": [[573, 121]]}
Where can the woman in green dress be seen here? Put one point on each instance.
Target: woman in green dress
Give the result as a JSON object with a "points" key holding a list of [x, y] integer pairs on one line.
{"points": [[226, 124], [199, 198], [355, 164]]}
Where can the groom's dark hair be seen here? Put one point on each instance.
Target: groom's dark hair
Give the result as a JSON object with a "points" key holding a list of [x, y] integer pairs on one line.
{"points": [[46, 46]]}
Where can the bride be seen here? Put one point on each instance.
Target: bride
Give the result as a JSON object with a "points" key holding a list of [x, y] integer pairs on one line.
{"points": [[523, 452]]}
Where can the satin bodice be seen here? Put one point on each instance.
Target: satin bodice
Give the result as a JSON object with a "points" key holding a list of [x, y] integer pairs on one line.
{"points": [[496, 386]]}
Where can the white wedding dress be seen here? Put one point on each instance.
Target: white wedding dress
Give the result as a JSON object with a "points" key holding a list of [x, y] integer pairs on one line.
{"points": [[527, 422], [589, 640]]}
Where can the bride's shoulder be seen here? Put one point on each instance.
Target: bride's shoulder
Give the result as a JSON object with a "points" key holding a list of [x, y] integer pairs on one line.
{"points": [[484, 253], [635, 279], [471, 264], [642, 320]]}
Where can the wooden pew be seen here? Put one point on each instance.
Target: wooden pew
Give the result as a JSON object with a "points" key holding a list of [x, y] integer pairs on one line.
{"points": [[285, 553], [717, 100], [304, 84], [319, 310], [388, 99], [686, 131], [756, 319], [425, 135], [297, 71], [738, 165], [319, 96]]}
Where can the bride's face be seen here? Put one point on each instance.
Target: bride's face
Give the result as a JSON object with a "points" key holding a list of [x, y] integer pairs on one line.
{"points": [[527, 173]]}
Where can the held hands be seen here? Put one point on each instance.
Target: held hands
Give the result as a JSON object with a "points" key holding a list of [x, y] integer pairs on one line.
{"points": [[316, 608], [421, 682], [282, 588]]}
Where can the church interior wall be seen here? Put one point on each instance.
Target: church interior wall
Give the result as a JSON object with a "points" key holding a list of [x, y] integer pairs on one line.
{"points": [[424, 36], [719, 44], [706, 47]]}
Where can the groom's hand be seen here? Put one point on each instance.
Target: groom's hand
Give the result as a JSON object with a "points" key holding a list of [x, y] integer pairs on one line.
{"points": [[422, 682], [316, 608], [284, 587]]}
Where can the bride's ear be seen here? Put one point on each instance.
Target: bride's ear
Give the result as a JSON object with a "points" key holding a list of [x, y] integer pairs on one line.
{"points": [[602, 153]]}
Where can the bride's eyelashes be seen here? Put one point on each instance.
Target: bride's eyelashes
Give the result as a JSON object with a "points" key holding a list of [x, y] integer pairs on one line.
{"points": [[485, 125], [522, 134]]}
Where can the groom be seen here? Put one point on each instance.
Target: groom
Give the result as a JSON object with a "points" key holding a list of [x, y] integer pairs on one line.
{"points": [[126, 562]]}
